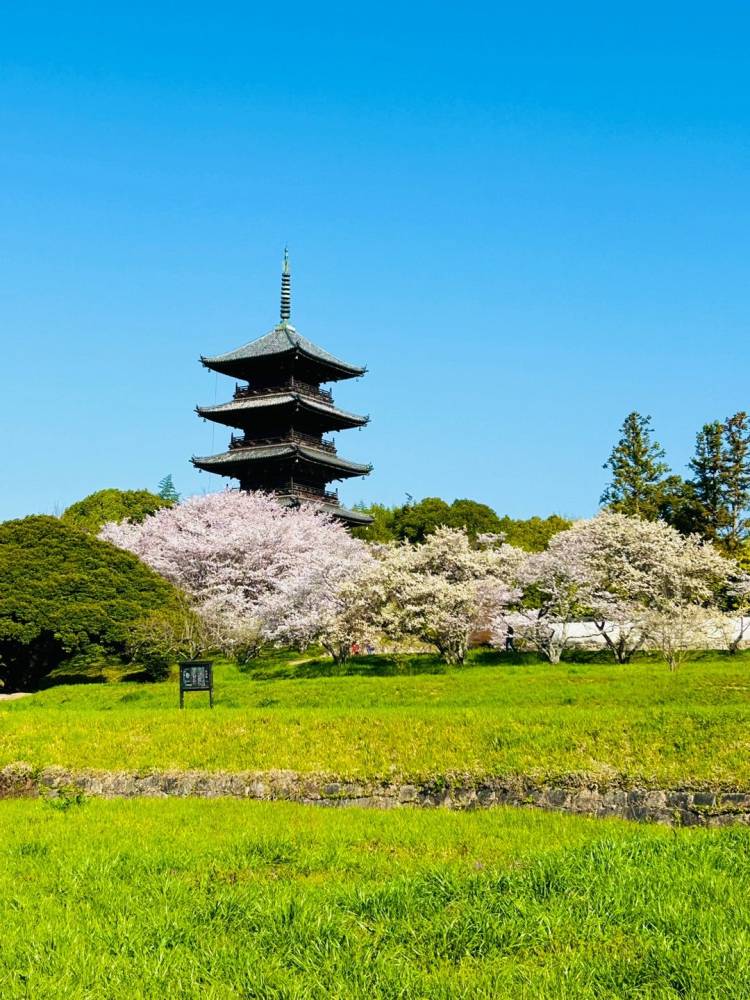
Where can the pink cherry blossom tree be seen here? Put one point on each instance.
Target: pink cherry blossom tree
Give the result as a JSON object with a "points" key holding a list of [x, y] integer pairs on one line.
{"points": [[642, 575], [253, 570], [334, 600]]}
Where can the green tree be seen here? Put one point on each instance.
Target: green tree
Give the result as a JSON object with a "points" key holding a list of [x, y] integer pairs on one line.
{"points": [[167, 490], [534, 533], [475, 518], [640, 483], [95, 510], [64, 594], [415, 521], [681, 508], [382, 527], [736, 481], [706, 500]]}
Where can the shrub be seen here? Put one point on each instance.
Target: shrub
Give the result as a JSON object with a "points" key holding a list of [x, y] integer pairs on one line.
{"points": [[61, 592], [91, 513]]}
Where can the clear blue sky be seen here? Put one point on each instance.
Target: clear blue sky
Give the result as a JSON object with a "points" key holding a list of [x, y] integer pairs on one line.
{"points": [[526, 219]]}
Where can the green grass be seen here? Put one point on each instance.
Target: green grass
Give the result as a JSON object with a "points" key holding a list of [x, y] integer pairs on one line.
{"points": [[225, 899], [410, 718]]}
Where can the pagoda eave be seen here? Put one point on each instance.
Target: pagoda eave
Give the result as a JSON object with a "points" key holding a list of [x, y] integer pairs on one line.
{"points": [[232, 463], [282, 344], [233, 413], [248, 369], [354, 518]]}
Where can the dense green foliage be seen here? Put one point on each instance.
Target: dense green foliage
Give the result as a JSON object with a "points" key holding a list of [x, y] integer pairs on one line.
{"points": [[123, 900], [95, 510], [381, 529], [410, 717], [413, 522], [533, 533], [64, 594]]}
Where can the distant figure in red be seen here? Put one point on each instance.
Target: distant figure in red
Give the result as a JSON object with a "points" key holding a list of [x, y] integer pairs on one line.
{"points": [[355, 649]]}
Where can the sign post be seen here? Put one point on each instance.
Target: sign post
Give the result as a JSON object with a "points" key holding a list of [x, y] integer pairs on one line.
{"points": [[197, 675]]}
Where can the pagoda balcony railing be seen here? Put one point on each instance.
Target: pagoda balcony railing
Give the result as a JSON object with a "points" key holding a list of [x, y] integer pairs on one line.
{"points": [[290, 385], [294, 437], [308, 493]]}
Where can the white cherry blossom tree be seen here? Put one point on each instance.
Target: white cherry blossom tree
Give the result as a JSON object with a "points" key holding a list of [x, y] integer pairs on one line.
{"points": [[555, 591], [641, 582], [443, 589]]}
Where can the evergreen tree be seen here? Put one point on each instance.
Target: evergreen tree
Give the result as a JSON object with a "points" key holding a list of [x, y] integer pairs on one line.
{"points": [[640, 484], [708, 502], [680, 507], [167, 491], [736, 481]]}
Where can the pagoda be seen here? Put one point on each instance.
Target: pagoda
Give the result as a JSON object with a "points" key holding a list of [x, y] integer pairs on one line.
{"points": [[282, 412]]}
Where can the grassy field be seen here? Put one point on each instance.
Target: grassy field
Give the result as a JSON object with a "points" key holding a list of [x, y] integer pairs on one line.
{"points": [[410, 718], [220, 899]]}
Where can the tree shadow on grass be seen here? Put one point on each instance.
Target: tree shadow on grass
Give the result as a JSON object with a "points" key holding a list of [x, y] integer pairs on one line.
{"points": [[58, 679], [485, 656], [376, 665], [138, 677], [382, 665]]}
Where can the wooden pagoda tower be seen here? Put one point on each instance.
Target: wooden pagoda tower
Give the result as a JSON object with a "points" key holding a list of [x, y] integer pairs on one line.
{"points": [[282, 413]]}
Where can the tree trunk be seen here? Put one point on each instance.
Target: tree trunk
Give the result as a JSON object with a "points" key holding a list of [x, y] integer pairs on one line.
{"points": [[338, 653], [553, 652], [454, 656], [618, 649], [734, 645]]}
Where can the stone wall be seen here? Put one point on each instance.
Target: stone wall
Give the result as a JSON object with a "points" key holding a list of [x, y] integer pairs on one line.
{"points": [[684, 806]]}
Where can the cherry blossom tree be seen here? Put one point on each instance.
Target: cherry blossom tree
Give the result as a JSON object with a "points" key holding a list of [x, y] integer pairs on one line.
{"points": [[555, 590], [735, 623], [677, 628], [654, 584], [640, 582], [252, 569], [443, 589], [332, 601]]}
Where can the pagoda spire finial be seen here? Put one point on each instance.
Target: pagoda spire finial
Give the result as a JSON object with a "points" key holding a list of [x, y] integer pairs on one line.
{"points": [[286, 289]]}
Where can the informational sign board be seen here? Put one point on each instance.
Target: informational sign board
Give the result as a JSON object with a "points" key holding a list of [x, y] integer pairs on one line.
{"points": [[196, 675]]}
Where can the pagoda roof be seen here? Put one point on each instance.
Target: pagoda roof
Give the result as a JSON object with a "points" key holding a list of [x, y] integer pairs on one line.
{"points": [[283, 339], [261, 401], [238, 457], [356, 517]]}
